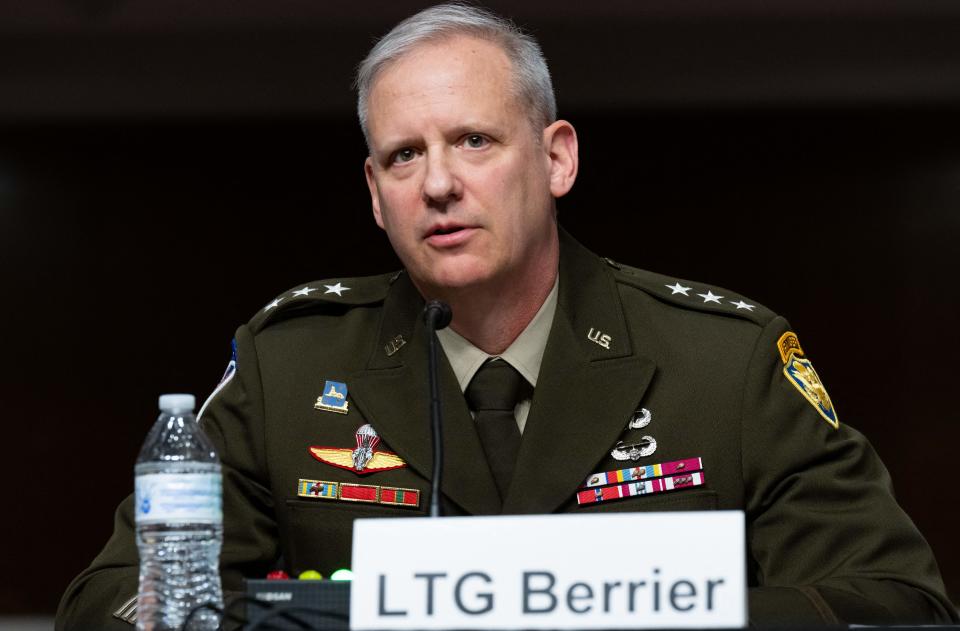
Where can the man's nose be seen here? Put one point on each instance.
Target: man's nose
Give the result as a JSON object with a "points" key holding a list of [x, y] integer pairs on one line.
{"points": [[441, 183]]}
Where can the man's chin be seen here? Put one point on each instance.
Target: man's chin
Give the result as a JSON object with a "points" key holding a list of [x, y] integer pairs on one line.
{"points": [[452, 281]]}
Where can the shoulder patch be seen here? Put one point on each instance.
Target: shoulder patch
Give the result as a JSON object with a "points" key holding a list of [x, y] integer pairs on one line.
{"points": [[321, 294], [691, 294], [800, 373]]}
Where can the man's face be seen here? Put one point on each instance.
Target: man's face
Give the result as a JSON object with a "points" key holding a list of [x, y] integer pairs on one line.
{"points": [[459, 180]]}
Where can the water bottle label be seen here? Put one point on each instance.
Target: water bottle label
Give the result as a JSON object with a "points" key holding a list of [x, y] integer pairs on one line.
{"points": [[179, 497]]}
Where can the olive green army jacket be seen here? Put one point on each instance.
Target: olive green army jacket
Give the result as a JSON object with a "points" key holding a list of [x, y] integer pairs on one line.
{"points": [[827, 542]]}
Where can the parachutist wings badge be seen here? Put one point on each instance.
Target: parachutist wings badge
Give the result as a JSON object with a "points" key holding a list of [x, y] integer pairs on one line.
{"points": [[364, 459]]}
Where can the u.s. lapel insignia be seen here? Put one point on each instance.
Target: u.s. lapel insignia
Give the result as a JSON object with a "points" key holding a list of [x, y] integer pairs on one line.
{"points": [[799, 372], [334, 398], [641, 418], [634, 451], [599, 337], [394, 345], [364, 459]]}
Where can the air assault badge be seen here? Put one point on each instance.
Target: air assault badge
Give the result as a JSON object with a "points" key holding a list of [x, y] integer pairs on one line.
{"points": [[799, 372]]}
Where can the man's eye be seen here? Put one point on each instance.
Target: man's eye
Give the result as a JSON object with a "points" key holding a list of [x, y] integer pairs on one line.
{"points": [[475, 141], [404, 155]]}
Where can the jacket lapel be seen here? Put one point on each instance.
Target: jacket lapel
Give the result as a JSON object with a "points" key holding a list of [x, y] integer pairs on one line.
{"points": [[585, 392], [392, 393]]}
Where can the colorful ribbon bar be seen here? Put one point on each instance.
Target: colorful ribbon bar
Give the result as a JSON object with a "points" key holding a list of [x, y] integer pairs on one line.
{"points": [[399, 497], [644, 487], [367, 493], [643, 472], [359, 492], [317, 488]]}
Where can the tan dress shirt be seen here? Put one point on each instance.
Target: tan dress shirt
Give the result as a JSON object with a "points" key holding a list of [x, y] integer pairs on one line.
{"points": [[524, 354]]}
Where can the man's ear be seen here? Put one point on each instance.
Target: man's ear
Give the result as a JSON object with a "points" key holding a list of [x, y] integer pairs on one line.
{"points": [[374, 194], [560, 141]]}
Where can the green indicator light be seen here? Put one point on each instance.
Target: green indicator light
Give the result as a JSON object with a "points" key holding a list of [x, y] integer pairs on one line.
{"points": [[342, 574]]}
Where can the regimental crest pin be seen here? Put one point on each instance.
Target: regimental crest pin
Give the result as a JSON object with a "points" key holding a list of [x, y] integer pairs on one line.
{"points": [[334, 398], [364, 459]]}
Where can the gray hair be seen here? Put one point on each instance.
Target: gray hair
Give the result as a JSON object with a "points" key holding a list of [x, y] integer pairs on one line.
{"points": [[531, 77]]}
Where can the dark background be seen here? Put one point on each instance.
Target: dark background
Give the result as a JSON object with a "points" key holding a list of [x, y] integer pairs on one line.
{"points": [[166, 168]]}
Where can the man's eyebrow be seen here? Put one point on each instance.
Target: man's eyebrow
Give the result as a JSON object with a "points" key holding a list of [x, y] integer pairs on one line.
{"points": [[488, 129], [391, 145]]}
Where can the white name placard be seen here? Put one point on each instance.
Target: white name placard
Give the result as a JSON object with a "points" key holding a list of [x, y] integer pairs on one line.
{"points": [[609, 571]]}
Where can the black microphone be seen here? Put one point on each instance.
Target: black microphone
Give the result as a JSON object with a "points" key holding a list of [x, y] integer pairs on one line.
{"points": [[436, 315]]}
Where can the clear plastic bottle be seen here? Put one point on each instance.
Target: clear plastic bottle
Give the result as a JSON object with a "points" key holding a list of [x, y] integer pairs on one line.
{"points": [[179, 521]]}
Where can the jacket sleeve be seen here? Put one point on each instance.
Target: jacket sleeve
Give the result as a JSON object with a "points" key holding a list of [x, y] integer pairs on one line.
{"points": [[233, 419], [828, 541]]}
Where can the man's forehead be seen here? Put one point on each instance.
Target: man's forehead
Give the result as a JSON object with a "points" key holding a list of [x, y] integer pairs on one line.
{"points": [[450, 83], [450, 54]]}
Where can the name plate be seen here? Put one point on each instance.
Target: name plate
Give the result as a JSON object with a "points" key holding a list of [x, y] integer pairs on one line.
{"points": [[609, 571]]}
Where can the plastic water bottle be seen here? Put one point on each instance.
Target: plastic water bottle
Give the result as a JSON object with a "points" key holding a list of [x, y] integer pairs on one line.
{"points": [[179, 521]]}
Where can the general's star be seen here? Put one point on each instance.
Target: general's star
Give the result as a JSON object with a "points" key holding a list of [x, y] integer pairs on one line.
{"points": [[272, 304], [305, 291], [742, 305], [710, 297], [336, 289], [677, 288]]}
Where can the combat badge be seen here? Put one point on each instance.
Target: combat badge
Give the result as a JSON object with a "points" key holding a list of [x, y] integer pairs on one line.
{"points": [[334, 398], [364, 459], [641, 418], [801, 374]]}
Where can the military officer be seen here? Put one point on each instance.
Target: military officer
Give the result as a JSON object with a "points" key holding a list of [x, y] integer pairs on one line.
{"points": [[571, 383]]}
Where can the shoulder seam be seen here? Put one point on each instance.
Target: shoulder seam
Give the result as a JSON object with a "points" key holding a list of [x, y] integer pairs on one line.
{"points": [[692, 295], [342, 293]]}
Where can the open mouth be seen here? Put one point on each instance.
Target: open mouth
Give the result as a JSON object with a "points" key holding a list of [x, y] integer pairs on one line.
{"points": [[442, 230], [449, 235]]}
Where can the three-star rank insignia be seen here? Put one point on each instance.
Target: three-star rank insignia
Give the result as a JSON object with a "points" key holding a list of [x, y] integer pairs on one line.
{"points": [[364, 459], [799, 372], [334, 398]]}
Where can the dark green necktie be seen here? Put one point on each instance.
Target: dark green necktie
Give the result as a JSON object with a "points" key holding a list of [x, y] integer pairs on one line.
{"points": [[492, 395]]}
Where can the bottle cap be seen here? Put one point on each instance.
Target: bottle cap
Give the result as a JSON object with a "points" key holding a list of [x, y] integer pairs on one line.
{"points": [[177, 402]]}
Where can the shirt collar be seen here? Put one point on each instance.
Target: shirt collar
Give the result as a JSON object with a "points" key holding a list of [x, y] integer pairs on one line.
{"points": [[525, 353]]}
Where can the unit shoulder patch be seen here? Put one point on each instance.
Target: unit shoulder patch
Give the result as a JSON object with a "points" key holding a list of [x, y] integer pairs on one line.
{"points": [[800, 373], [323, 294], [691, 294]]}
